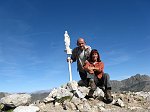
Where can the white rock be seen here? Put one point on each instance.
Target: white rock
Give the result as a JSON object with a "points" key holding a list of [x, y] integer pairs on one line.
{"points": [[58, 93], [98, 92], [73, 85], [119, 102], [48, 99], [83, 90], [78, 94], [15, 100], [134, 108], [100, 104], [27, 109]]}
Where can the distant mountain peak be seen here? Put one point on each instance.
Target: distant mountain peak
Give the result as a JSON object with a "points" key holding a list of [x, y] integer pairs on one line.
{"points": [[137, 82]]}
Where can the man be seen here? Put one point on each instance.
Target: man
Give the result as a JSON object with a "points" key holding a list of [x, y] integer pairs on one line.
{"points": [[80, 54]]}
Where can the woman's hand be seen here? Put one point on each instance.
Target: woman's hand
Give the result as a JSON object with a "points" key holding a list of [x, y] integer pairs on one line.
{"points": [[96, 69], [90, 70]]}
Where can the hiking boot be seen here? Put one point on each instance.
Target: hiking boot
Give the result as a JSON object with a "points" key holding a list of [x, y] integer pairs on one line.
{"points": [[92, 89], [109, 98], [90, 94]]}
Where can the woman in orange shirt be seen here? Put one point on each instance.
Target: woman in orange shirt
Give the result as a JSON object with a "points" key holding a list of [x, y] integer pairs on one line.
{"points": [[95, 70]]}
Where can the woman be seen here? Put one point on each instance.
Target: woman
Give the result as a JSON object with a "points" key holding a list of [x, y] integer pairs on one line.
{"points": [[95, 69]]}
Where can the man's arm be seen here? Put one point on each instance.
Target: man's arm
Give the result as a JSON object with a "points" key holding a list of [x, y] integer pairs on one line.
{"points": [[74, 55], [88, 50]]}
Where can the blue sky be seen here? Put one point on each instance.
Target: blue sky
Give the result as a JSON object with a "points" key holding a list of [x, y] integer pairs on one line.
{"points": [[32, 47]]}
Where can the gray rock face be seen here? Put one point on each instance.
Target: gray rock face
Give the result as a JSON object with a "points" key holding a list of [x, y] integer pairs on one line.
{"points": [[15, 100]]}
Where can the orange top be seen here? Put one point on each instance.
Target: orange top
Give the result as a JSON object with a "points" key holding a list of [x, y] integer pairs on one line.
{"points": [[96, 68]]}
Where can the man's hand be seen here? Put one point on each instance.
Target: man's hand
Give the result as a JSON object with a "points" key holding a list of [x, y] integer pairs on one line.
{"points": [[69, 60]]}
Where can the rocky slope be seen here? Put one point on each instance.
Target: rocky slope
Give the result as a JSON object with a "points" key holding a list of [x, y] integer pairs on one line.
{"points": [[70, 98], [134, 83], [130, 95]]}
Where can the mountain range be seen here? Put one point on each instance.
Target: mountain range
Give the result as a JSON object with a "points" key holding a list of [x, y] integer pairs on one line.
{"points": [[134, 83]]}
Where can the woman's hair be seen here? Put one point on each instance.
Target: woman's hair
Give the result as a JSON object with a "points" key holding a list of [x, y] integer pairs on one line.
{"points": [[92, 52]]}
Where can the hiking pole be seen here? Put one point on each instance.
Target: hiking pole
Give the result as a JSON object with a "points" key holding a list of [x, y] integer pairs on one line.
{"points": [[69, 52]]}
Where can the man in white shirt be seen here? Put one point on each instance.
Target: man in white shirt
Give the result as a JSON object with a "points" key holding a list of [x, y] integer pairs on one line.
{"points": [[80, 54]]}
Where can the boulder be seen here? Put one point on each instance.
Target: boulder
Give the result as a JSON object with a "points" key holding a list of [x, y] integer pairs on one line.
{"points": [[15, 100], [27, 109]]}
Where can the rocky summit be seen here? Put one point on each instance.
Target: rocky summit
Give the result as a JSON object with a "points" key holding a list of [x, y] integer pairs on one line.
{"points": [[71, 98]]}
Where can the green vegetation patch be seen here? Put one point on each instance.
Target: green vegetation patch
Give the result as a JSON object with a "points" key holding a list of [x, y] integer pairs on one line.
{"points": [[11, 110], [1, 106], [62, 99]]}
